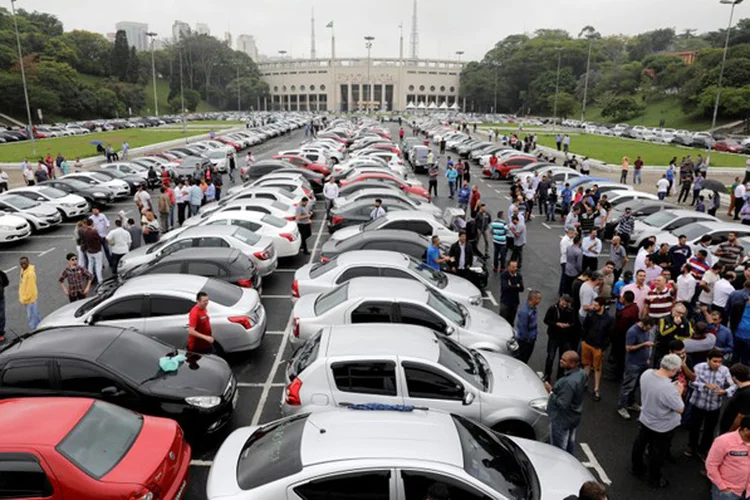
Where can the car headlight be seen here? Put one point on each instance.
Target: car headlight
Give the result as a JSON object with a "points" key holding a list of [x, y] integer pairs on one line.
{"points": [[99, 195], [476, 300], [7, 229], [476, 269], [203, 401], [68, 205], [539, 404], [512, 344]]}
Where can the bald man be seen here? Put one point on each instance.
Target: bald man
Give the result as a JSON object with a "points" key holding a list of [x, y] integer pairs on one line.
{"points": [[566, 403]]}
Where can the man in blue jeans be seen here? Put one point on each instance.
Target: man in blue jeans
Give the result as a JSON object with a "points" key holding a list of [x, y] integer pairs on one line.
{"points": [[638, 343], [565, 404], [526, 326]]}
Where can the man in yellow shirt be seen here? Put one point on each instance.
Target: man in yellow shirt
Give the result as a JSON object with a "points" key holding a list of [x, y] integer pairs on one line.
{"points": [[27, 293]]}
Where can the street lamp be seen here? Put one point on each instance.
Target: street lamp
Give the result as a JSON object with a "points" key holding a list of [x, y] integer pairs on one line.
{"points": [[368, 44], [495, 65], [182, 99], [23, 76], [239, 102], [733, 3], [557, 88], [282, 53], [459, 53], [590, 34], [152, 35]]}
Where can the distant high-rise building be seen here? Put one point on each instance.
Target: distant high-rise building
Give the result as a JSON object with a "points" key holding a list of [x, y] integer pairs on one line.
{"points": [[228, 39], [136, 33], [179, 29], [202, 29], [111, 37], [246, 44]]}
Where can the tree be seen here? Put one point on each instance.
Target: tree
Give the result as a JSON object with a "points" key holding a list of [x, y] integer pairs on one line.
{"points": [[192, 99], [621, 108], [567, 104], [120, 61], [93, 52]]}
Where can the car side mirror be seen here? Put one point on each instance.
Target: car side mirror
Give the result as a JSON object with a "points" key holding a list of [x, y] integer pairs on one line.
{"points": [[450, 330], [468, 398], [112, 391]]}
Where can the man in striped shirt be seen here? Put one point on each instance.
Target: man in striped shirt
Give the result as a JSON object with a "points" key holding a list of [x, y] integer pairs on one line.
{"points": [[699, 265], [499, 230], [659, 300], [730, 252]]}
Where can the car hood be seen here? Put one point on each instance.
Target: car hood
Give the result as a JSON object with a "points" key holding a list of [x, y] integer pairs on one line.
{"points": [[460, 287], [116, 184], [64, 316], [198, 376], [12, 220], [44, 209], [135, 257], [560, 473], [484, 321], [514, 378], [72, 199], [345, 233], [665, 237]]}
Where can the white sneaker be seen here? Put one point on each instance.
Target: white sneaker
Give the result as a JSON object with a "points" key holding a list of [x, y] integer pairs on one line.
{"points": [[634, 407], [624, 413]]}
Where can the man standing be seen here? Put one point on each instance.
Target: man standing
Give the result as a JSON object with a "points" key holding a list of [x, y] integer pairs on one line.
{"points": [[92, 243], [499, 230], [101, 224], [474, 200], [200, 338], [739, 323], [195, 198], [660, 416], [511, 286], [659, 299], [164, 205], [136, 234], [638, 171], [566, 143], [558, 141], [483, 221], [738, 406], [433, 172], [597, 328], [739, 200], [330, 192], [452, 175], [640, 291], [28, 293], [463, 197], [625, 227], [592, 248], [303, 223], [573, 264], [565, 404], [119, 240], [79, 279], [588, 293], [662, 187], [638, 344], [142, 199], [679, 255], [378, 210], [565, 243], [730, 252], [526, 326], [435, 257], [728, 464], [618, 255], [462, 256], [561, 321], [518, 230]]}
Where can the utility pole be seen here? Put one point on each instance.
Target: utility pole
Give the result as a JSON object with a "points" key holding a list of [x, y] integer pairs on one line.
{"points": [[368, 44], [23, 77], [283, 107], [152, 35], [182, 99], [557, 88]]}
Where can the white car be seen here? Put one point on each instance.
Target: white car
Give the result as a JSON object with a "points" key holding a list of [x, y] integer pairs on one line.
{"points": [[619, 196], [386, 193], [295, 186], [666, 220], [219, 159], [121, 189], [271, 207], [394, 300], [69, 205], [284, 234], [719, 232], [320, 278], [13, 228], [419, 222], [41, 215], [128, 168], [266, 193]]}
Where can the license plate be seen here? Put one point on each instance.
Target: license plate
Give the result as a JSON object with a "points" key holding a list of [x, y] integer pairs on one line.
{"points": [[235, 398], [178, 496]]}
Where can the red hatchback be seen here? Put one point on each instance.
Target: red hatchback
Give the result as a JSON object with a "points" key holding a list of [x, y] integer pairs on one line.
{"points": [[729, 146], [505, 167], [415, 190], [299, 161], [61, 448]]}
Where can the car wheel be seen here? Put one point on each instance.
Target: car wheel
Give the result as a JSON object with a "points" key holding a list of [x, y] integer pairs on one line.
{"points": [[514, 428], [496, 176]]}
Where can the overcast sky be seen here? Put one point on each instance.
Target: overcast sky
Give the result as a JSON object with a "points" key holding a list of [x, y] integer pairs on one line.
{"points": [[445, 26]]}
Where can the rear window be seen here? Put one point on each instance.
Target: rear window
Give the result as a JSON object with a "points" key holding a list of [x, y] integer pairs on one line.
{"points": [[222, 292], [327, 301], [281, 206], [245, 236], [320, 269], [101, 439], [274, 221], [305, 355], [271, 453]]}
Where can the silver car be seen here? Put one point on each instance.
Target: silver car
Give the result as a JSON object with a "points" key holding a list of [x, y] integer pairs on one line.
{"points": [[419, 222], [665, 220], [158, 305], [412, 365], [319, 277], [270, 207], [394, 300], [69, 205], [389, 455], [385, 194], [40, 215], [259, 249]]}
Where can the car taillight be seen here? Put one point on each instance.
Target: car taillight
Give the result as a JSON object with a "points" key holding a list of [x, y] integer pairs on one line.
{"points": [[241, 320], [337, 219], [143, 494], [306, 191], [292, 393], [262, 255], [288, 236], [246, 283], [295, 328], [290, 218], [324, 260], [295, 293]]}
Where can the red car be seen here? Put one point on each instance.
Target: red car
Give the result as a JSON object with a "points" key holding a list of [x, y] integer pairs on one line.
{"points": [[386, 147], [374, 176], [237, 146], [505, 167], [299, 161], [83, 449], [729, 146]]}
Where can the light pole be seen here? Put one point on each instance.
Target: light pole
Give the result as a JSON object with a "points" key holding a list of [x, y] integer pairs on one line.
{"points": [[368, 44], [182, 99], [557, 88], [495, 66], [590, 34], [282, 53], [152, 35], [733, 3], [459, 53], [239, 102], [23, 76]]}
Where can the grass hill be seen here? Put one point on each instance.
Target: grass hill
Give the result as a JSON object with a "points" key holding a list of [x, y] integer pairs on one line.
{"points": [[667, 109]]}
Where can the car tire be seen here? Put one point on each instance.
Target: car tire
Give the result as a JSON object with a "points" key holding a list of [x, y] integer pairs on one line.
{"points": [[495, 176], [514, 428]]}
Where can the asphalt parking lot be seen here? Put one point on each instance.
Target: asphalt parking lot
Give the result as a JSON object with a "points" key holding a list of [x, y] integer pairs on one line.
{"points": [[605, 439]]}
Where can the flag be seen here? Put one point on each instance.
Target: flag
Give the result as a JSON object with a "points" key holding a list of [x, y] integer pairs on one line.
{"points": [[329, 25]]}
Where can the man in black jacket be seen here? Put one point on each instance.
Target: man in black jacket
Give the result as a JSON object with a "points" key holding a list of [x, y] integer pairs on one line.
{"points": [[597, 328], [511, 286], [462, 255], [483, 220], [562, 322]]}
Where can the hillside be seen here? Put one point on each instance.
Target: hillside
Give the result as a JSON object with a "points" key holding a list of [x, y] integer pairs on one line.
{"points": [[668, 109]]}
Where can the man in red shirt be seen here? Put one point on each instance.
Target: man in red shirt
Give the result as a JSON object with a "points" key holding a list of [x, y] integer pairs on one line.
{"points": [[200, 339], [474, 201], [493, 163]]}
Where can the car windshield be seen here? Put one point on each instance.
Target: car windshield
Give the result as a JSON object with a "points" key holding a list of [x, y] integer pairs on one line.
{"points": [[496, 461], [446, 307], [19, 202], [459, 360], [52, 193], [112, 173], [328, 300], [694, 231], [135, 356], [374, 224], [216, 154], [319, 269], [437, 278], [659, 219], [100, 177], [101, 439]]}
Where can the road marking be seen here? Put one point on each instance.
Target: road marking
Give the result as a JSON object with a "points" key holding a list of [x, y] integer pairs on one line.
{"points": [[275, 296], [11, 269], [253, 384], [274, 332], [507, 197], [201, 463], [47, 251], [545, 225], [52, 237], [21, 251], [489, 296], [285, 271], [593, 463], [280, 353], [498, 191]]}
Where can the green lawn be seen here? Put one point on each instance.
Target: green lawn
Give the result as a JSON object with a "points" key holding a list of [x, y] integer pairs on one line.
{"points": [[216, 123], [668, 109], [71, 147], [612, 149]]}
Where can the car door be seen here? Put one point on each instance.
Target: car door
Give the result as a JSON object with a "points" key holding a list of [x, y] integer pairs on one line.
{"points": [[23, 476], [432, 386], [421, 227], [370, 311], [167, 319], [413, 483], [77, 378], [367, 484], [364, 381], [416, 314], [27, 377], [124, 312]]}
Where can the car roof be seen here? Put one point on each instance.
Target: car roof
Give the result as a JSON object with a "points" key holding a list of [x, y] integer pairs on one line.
{"points": [[27, 422], [427, 436], [213, 254], [376, 339], [387, 288], [89, 342], [721, 225], [207, 231], [410, 215], [373, 257], [390, 234], [163, 283], [679, 212]]}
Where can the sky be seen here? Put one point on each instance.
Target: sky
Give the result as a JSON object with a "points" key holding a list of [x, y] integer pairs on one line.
{"points": [[445, 26]]}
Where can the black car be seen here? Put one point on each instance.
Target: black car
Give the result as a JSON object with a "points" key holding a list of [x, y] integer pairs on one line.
{"points": [[407, 242], [640, 209], [97, 196], [263, 167], [315, 179], [225, 264], [121, 367], [369, 184], [358, 212], [133, 180]]}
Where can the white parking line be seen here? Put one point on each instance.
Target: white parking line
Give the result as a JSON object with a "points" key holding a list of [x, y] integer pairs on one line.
{"points": [[275, 296], [249, 384], [593, 463], [21, 251], [201, 463], [11, 269], [545, 225], [47, 251], [489, 296], [52, 237], [285, 271], [274, 332]]}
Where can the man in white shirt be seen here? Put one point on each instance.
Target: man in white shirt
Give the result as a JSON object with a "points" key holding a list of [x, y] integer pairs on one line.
{"points": [[119, 240], [640, 258], [28, 173], [142, 199], [331, 192], [592, 247], [101, 224], [722, 289], [565, 243], [378, 211], [662, 187], [685, 285], [739, 200], [709, 279]]}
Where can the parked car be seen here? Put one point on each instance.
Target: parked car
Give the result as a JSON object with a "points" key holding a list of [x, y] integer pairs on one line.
{"points": [[718, 231], [119, 366], [283, 233], [40, 215], [639, 209], [387, 193], [96, 195], [121, 189], [13, 228], [411, 220], [69, 205], [133, 181], [364, 180], [665, 220], [729, 146], [260, 205]]}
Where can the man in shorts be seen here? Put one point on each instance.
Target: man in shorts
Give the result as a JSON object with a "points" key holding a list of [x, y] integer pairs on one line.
{"points": [[597, 328]]}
